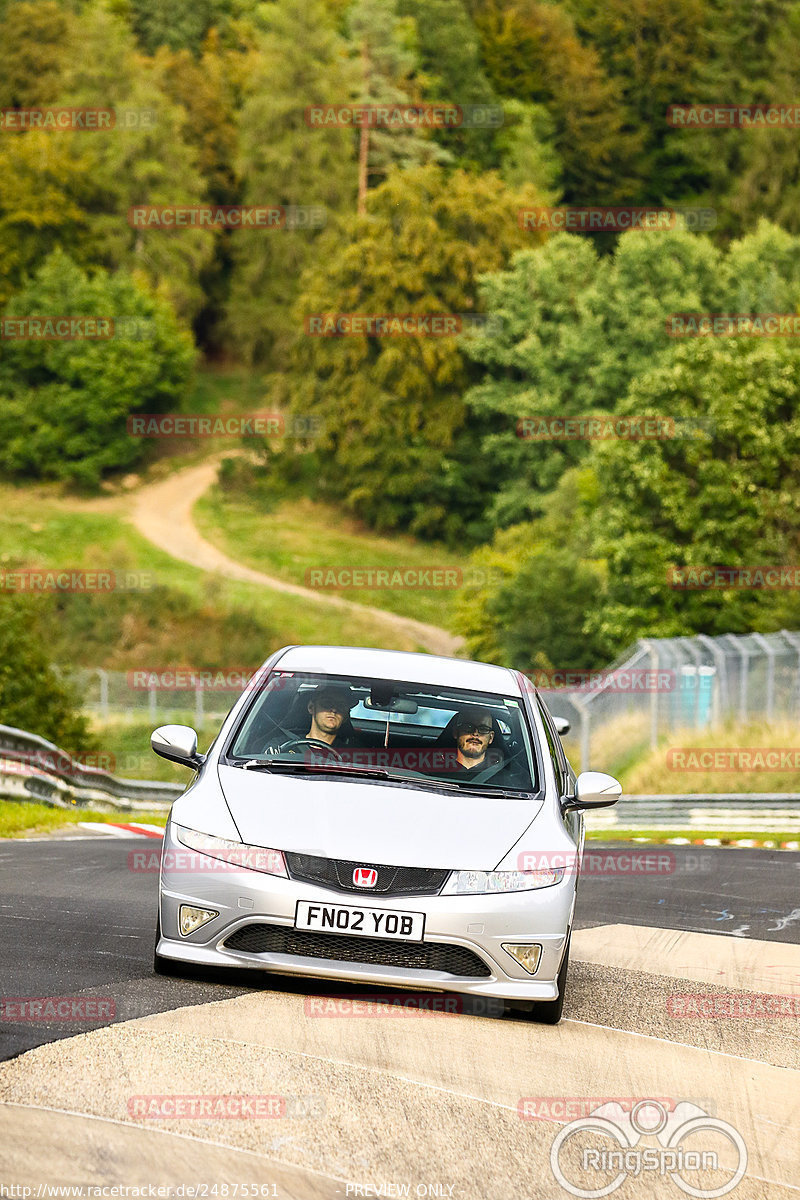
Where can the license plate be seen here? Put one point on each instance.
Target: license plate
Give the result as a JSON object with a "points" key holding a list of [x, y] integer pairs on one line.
{"points": [[366, 922]]}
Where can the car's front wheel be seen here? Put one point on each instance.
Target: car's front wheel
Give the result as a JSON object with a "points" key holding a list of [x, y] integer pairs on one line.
{"points": [[161, 965], [168, 966], [547, 1012]]}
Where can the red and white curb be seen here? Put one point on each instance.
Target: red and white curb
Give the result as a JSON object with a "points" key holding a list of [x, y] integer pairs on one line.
{"points": [[113, 829]]}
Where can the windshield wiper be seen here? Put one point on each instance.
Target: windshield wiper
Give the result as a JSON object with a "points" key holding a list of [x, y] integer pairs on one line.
{"points": [[475, 789], [332, 768]]}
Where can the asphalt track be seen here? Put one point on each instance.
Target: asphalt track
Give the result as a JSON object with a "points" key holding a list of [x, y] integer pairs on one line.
{"points": [[390, 1102]]}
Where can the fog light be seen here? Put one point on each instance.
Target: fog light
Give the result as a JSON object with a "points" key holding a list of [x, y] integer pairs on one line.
{"points": [[193, 918], [527, 956]]}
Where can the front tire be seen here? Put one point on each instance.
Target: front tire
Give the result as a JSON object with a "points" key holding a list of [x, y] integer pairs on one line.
{"points": [[548, 1012], [161, 966], [168, 966]]}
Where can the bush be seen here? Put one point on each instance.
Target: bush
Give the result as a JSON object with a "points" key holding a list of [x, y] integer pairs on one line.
{"points": [[64, 404], [32, 696]]}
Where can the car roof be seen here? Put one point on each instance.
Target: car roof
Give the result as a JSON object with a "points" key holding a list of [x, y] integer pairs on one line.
{"points": [[402, 665]]}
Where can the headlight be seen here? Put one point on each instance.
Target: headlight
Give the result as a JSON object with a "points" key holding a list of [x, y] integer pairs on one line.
{"points": [[254, 858], [465, 883]]}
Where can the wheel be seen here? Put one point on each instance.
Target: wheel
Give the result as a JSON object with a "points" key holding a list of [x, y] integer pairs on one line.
{"points": [[161, 965], [548, 1012], [168, 966]]}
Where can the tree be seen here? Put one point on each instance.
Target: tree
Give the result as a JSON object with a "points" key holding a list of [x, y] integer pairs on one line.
{"points": [[767, 185], [744, 173], [284, 160], [576, 330], [64, 403], [397, 446], [210, 88], [729, 498], [33, 47], [655, 52], [149, 162], [32, 696], [384, 44], [46, 201], [449, 70], [532, 53], [180, 26]]}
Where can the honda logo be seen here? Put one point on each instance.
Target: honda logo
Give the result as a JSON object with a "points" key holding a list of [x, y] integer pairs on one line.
{"points": [[365, 877]]}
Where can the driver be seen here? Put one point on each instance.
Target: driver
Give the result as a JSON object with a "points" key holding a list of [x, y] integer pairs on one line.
{"points": [[328, 708]]}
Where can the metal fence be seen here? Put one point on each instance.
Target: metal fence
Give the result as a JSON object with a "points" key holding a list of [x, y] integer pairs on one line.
{"points": [[662, 685], [658, 686], [158, 699]]}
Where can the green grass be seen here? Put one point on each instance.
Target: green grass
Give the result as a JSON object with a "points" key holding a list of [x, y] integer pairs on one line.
{"points": [[40, 528], [655, 773], [22, 819], [128, 745], [664, 835], [301, 534]]}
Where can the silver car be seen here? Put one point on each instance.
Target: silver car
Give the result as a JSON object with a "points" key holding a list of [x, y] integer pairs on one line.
{"points": [[384, 818]]}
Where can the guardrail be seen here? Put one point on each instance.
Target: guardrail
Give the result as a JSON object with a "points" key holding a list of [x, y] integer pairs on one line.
{"points": [[33, 769], [767, 811]]}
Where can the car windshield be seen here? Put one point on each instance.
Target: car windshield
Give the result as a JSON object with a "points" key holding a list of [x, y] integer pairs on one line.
{"points": [[421, 733]]}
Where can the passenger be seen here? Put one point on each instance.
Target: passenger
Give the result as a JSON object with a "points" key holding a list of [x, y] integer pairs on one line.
{"points": [[474, 734]]}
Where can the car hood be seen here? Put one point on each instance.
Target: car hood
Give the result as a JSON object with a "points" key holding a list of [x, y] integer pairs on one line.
{"points": [[368, 821]]}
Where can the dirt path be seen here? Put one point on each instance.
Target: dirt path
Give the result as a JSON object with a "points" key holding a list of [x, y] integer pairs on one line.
{"points": [[162, 512]]}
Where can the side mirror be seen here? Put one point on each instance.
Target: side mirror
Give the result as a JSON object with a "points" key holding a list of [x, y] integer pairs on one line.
{"points": [[594, 789], [178, 743], [562, 725]]}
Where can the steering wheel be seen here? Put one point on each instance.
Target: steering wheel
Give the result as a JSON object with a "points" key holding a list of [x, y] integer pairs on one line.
{"points": [[315, 744]]}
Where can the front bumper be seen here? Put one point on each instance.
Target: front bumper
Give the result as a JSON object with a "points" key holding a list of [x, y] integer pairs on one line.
{"points": [[479, 924]]}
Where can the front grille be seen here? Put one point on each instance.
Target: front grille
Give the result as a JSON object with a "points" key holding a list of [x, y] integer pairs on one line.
{"points": [[412, 956], [337, 874]]}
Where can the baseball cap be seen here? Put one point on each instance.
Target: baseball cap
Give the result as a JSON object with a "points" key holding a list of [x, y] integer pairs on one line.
{"points": [[340, 697]]}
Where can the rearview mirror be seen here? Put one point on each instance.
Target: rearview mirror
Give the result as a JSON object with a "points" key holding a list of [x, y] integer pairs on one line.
{"points": [[562, 725], [395, 704], [178, 743], [594, 789]]}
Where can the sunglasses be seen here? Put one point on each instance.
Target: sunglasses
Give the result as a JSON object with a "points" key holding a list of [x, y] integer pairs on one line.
{"points": [[471, 727]]}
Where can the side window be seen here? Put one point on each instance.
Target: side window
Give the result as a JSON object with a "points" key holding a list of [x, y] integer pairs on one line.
{"points": [[556, 750]]}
